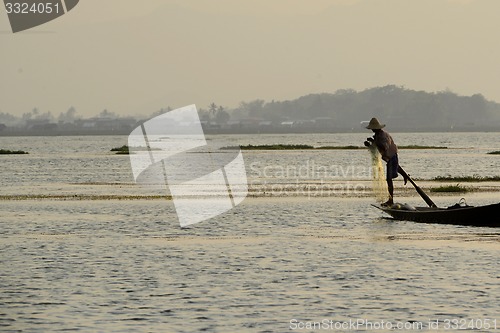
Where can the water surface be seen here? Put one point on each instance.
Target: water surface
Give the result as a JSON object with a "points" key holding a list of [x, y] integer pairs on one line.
{"points": [[91, 264]]}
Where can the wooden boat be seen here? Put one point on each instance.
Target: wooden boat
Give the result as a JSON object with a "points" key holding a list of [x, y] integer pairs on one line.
{"points": [[481, 216], [460, 213]]}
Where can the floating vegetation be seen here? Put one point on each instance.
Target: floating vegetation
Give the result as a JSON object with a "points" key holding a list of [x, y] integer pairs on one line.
{"points": [[288, 147], [474, 178], [339, 147], [421, 147], [449, 188], [83, 197], [271, 147], [123, 150], [15, 152], [309, 147], [497, 152]]}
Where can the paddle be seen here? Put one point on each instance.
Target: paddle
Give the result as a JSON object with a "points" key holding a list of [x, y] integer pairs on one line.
{"points": [[419, 190]]}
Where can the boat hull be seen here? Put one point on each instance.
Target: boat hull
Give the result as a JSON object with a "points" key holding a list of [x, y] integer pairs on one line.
{"points": [[481, 216]]}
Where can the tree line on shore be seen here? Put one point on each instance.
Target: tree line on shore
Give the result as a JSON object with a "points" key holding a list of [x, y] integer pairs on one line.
{"points": [[395, 105]]}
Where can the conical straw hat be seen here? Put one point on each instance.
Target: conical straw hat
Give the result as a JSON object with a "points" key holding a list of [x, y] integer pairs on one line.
{"points": [[375, 124]]}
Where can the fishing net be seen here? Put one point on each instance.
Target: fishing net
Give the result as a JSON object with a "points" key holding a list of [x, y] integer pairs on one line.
{"points": [[379, 183]]}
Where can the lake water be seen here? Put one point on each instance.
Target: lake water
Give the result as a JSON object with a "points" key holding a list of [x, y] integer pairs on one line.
{"points": [[85, 249]]}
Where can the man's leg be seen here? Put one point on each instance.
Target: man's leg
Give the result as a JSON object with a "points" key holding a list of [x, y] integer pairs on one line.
{"points": [[390, 186], [403, 173], [391, 172]]}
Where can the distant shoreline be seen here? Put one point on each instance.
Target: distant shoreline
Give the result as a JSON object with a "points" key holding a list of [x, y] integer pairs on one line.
{"points": [[209, 131]]}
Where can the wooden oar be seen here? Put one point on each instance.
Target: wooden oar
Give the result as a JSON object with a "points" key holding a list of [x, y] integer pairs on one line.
{"points": [[419, 190]]}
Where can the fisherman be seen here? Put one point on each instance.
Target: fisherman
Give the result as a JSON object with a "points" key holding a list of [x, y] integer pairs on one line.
{"points": [[389, 151]]}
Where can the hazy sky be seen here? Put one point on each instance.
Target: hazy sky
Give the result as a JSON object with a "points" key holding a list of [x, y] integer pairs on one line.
{"points": [[134, 57]]}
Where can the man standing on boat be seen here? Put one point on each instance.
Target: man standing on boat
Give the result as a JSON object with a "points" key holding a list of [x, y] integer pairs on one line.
{"points": [[389, 151]]}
